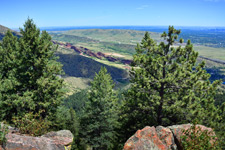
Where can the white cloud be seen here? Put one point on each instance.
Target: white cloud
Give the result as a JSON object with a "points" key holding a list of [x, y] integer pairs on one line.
{"points": [[142, 7]]}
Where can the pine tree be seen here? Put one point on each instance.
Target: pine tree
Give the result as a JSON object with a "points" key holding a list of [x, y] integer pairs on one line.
{"points": [[32, 72], [100, 118], [9, 52], [167, 86], [67, 119]]}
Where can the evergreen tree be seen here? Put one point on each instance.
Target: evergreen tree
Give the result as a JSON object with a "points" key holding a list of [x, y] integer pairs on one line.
{"points": [[9, 52], [67, 119], [100, 118], [32, 76], [167, 87]]}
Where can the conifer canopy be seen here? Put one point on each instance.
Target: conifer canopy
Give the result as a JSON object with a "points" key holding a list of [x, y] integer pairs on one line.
{"points": [[29, 74], [167, 85]]}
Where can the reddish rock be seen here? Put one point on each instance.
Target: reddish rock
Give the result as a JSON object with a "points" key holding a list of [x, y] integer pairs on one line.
{"points": [[166, 136], [90, 53], [109, 58], [68, 45], [160, 138], [101, 54], [145, 139], [76, 49]]}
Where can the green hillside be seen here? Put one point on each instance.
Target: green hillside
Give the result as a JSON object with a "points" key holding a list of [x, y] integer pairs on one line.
{"points": [[211, 52], [113, 35], [79, 70], [108, 40], [121, 41], [3, 31], [75, 84], [81, 66], [96, 45]]}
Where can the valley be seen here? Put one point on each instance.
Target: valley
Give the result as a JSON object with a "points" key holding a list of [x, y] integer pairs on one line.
{"points": [[115, 48], [83, 51]]}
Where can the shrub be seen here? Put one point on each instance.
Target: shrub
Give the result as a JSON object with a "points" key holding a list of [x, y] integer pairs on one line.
{"points": [[32, 124], [3, 132], [196, 139]]}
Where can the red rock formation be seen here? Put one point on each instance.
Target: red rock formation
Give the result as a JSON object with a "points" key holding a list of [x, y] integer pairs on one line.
{"points": [[148, 138], [109, 58], [160, 138], [68, 45], [88, 52], [76, 49], [101, 54]]}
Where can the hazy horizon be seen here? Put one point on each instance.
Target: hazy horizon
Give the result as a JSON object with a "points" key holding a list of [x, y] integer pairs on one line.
{"points": [[127, 26]]}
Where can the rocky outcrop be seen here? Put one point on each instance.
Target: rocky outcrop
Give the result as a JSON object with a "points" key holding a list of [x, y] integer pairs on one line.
{"points": [[78, 50], [101, 54], [60, 140], [92, 54], [160, 138], [88, 52]]}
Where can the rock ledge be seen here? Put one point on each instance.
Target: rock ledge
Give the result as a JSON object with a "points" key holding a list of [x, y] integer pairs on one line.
{"points": [[59, 140]]}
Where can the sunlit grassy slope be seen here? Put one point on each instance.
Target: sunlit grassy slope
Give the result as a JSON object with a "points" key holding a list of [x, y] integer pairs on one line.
{"points": [[74, 84], [113, 35], [210, 52]]}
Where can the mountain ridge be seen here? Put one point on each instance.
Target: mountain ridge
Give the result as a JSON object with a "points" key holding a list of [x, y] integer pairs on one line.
{"points": [[4, 29]]}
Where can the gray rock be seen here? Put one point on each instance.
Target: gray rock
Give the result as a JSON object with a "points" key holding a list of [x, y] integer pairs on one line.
{"points": [[51, 141]]}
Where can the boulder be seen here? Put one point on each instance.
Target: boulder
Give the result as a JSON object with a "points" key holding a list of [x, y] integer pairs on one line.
{"points": [[60, 140], [145, 139], [62, 137], [166, 136], [160, 138]]}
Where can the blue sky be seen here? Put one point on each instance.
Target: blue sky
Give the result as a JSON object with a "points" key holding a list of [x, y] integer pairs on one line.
{"points": [[45, 13]]}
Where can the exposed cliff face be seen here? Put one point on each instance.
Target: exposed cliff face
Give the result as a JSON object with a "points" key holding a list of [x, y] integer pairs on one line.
{"points": [[99, 55], [160, 138]]}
